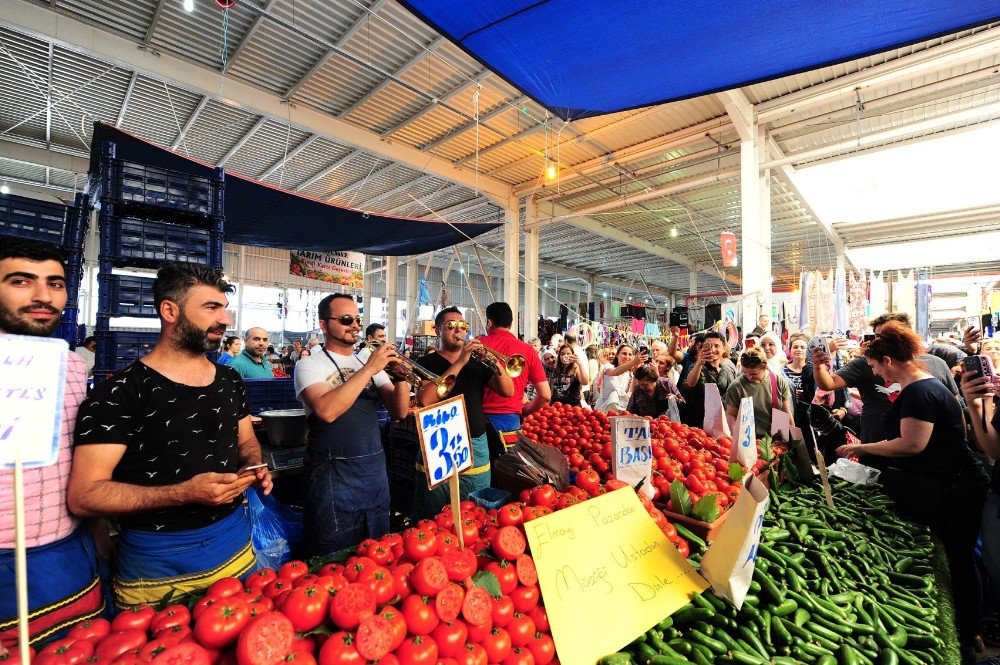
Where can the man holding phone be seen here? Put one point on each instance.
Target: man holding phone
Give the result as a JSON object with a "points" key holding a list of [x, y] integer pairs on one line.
{"points": [[165, 446]]}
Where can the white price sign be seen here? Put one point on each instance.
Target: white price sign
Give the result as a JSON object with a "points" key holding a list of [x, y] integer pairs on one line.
{"points": [[745, 446], [31, 399], [444, 439], [632, 451]]}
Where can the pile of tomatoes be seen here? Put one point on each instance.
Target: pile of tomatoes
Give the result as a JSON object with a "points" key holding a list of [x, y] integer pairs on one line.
{"points": [[407, 598], [680, 452]]}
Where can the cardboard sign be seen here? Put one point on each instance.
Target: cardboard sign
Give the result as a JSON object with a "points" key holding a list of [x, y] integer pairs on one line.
{"points": [[728, 564], [781, 425], [31, 399], [444, 439], [632, 452], [715, 422], [607, 573], [745, 444]]}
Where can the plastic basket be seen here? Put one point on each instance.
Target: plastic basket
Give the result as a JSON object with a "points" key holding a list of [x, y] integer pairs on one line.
{"points": [[77, 223], [117, 349], [268, 394], [150, 187], [22, 217], [68, 328], [129, 241], [490, 497], [126, 295], [74, 274]]}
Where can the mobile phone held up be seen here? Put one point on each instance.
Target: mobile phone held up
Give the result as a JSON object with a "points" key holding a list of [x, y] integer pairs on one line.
{"points": [[982, 366], [818, 342]]}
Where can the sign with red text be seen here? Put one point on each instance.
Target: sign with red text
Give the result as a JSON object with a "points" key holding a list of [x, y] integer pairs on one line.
{"points": [[343, 268], [31, 399]]}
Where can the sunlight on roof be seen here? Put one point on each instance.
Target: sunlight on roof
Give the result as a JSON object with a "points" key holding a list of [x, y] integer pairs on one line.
{"points": [[935, 175], [927, 253]]}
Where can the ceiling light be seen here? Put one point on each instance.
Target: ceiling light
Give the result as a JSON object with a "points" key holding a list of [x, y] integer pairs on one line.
{"points": [[189, 6], [4, 189], [551, 172], [674, 232]]}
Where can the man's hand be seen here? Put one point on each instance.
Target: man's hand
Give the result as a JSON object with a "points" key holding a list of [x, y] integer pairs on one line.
{"points": [[851, 450], [262, 479], [382, 356], [216, 489], [838, 344], [820, 358], [975, 388], [971, 339], [469, 348], [839, 414]]}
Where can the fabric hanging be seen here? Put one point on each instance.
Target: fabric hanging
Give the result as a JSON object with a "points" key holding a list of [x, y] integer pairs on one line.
{"points": [[974, 301], [815, 284], [878, 295], [639, 326], [904, 294], [652, 330], [616, 309], [824, 303], [805, 280], [857, 295], [841, 320], [923, 303]]}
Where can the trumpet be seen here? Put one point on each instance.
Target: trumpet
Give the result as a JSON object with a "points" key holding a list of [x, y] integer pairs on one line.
{"points": [[414, 374], [513, 365]]}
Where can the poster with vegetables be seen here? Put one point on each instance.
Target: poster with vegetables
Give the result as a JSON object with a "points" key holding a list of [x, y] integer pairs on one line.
{"points": [[340, 268]]}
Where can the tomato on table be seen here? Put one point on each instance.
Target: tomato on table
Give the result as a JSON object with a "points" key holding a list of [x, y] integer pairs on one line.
{"points": [[93, 630], [509, 543], [418, 650], [225, 587], [374, 637], [450, 638], [220, 624], [265, 640], [429, 576], [136, 617], [306, 607], [118, 643], [448, 602], [351, 605], [420, 615], [170, 616]]}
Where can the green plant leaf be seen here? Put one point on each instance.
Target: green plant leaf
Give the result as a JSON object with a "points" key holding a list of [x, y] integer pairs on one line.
{"points": [[487, 581], [736, 471], [706, 510], [680, 498], [766, 453]]}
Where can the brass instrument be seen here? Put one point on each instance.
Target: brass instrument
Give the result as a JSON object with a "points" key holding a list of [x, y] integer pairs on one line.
{"points": [[414, 374], [513, 364]]}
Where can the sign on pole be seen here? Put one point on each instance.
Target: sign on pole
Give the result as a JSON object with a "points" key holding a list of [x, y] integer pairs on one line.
{"points": [[443, 429], [745, 444], [607, 573], [632, 452]]}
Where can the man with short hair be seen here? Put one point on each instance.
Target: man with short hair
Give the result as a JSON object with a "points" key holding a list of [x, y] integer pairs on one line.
{"points": [[86, 351], [876, 397], [347, 488], [505, 413], [164, 446], [374, 334], [252, 362], [63, 575]]}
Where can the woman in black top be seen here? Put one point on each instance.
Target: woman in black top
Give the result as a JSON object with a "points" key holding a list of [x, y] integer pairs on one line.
{"points": [[565, 378], [931, 471]]}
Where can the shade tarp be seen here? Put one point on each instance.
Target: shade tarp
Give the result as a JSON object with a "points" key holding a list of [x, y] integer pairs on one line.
{"points": [[261, 215], [582, 58]]}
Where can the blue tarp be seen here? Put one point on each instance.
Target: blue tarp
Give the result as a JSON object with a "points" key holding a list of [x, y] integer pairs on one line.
{"points": [[582, 58], [261, 215]]}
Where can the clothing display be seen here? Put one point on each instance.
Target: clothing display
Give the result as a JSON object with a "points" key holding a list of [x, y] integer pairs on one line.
{"points": [[858, 303], [904, 297], [805, 318], [824, 303], [923, 321], [841, 320], [878, 295]]}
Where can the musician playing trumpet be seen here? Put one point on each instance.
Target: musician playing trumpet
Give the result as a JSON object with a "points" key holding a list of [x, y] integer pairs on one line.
{"points": [[455, 357]]}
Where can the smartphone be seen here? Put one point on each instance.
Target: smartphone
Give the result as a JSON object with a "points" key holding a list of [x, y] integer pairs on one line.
{"points": [[869, 338], [252, 467], [818, 342], [982, 366]]}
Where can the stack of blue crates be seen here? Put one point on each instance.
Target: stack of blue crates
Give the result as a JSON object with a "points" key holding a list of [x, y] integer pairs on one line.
{"points": [[58, 224], [148, 215]]}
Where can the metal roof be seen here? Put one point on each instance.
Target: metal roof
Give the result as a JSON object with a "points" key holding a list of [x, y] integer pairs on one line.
{"points": [[624, 180]]}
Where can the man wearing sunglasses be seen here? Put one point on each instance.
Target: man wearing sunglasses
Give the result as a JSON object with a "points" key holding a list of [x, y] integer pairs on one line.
{"points": [[454, 356], [347, 489]]}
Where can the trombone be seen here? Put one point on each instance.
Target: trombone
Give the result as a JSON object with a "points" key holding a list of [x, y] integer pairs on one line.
{"points": [[414, 374], [513, 365]]}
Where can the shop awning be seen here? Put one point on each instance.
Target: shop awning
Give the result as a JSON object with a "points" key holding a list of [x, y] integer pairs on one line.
{"points": [[261, 215], [582, 58]]}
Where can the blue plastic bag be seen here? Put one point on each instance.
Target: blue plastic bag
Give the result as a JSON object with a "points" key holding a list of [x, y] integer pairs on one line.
{"points": [[276, 529]]}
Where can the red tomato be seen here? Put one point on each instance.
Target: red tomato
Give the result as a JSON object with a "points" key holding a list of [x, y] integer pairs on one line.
{"points": [[460, 563], [135, 617], [521, 629], [306, 607], [382, 583], [266, 640], [505, 573], [450, 638], [525, 598], [351, 605], [225, 587], [503, 611], [419, 544], [152, 649], [497, 645], [401, 580], [418, 650], [170, 616], [65, 651], [448, 602], [356, 566], [446, 541], [374, 637], [331, 569], [121, 642], [544, 495], [259, 579], [509, 543], [542, 648], [510, 515], [472, 654], [477, 608], [220, 625], [420, 615], [183, 653], [174, 634], [526, 572], [92, 629], [429, 576], [588, 480], [332, 583], [398, 625], [519, 656], [300, 658], [470, 530]]}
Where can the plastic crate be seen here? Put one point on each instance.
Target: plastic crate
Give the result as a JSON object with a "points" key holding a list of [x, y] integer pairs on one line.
{"points": [[129, 241], [74, 274], [77, 223], [22, 217], [490, 497], [267, 394], [117, 349], [151, 187], [68, 328], [126, 295]]}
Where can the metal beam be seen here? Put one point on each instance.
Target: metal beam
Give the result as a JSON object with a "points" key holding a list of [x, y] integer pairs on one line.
{"points": [[327, 171], [365, 205], [153, 23], [465, 206], [55, 157], [243, 141], [458, 89], [501, 143], [48, 100], [28, 18], [974, 47], [405, 67], [128, 97], [295, 152], [740, 111], [249, 34], [190, 122], [503, 108], [361, 182], [423, 199], [323, 59]]}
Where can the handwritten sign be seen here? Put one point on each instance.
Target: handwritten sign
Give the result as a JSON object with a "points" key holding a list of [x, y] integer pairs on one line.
{"points": [[601, 554], [31, 398], [730, 560], [632, 452], [745, 446], [444, 438]]}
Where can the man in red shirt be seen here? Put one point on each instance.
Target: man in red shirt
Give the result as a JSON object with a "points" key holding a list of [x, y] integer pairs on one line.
{"points": [[505, 413]]}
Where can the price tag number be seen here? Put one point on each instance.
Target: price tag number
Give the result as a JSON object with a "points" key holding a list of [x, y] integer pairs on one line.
{"points": [[447, 443]]}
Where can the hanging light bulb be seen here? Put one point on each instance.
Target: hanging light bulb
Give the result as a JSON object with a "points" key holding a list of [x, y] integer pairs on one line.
{"points": [[673, 232], [189, 6], [4, 189], [550, 171]]}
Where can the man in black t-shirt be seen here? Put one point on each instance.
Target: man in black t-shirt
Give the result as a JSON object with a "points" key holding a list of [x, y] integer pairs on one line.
{"points": [[161, 446], [455, 357]]}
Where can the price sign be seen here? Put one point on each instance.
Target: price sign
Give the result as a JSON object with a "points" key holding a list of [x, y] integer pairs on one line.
{"points": [[606, 553], [444, 438], [632, 451], [745, 446], [31, 399]]}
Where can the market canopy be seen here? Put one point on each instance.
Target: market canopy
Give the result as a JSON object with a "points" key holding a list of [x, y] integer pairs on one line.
{"points": [[262, 215], [582, 58]]}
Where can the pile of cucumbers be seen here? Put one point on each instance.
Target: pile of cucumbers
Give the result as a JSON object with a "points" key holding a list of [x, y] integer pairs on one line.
{"points": [[854, 585]]}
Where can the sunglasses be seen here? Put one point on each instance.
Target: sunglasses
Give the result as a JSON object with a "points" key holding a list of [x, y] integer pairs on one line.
{"points": [[457, 325], [751, 361], [346, 319]]}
